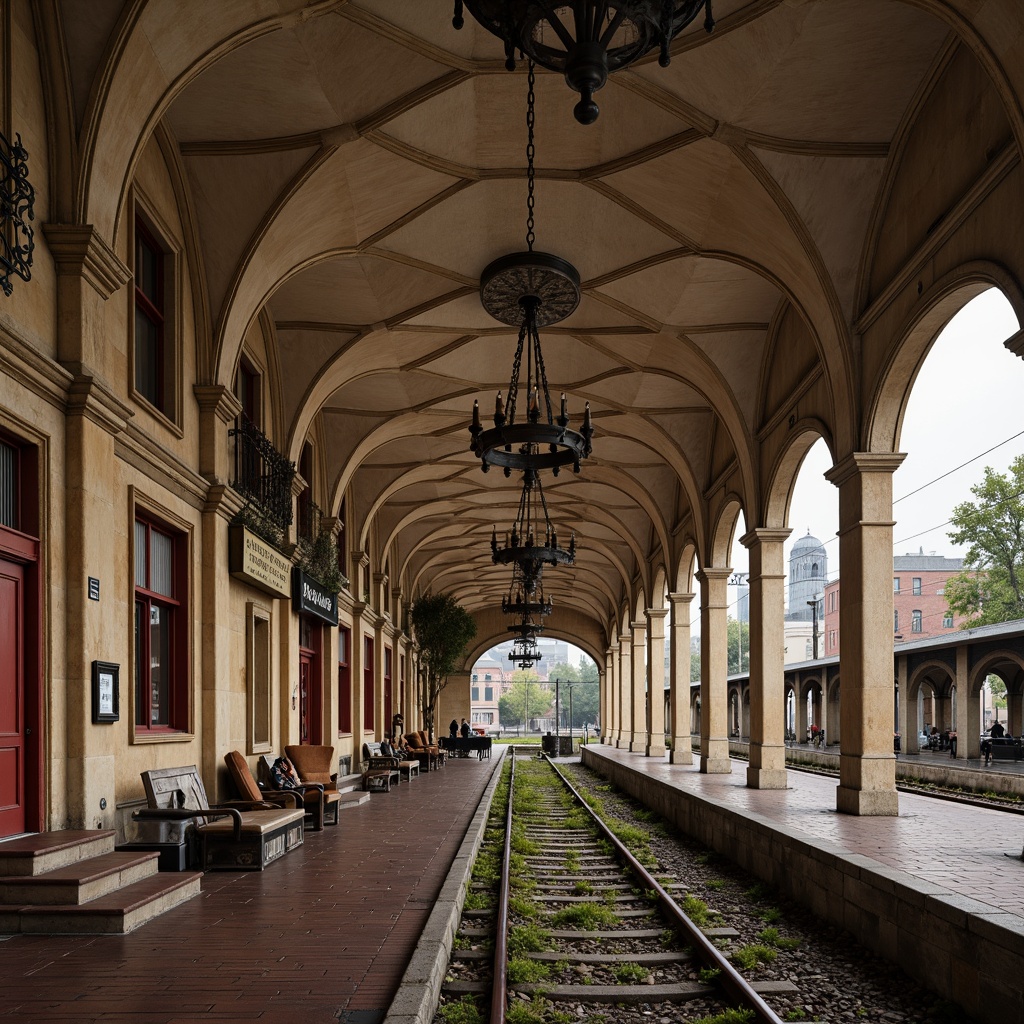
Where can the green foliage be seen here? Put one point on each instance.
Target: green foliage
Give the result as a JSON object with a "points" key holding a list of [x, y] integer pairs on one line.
{"points": [[476, 900], [738, 646], [522, 907], [586, 916], [730, 1016], [443, 629], [528, 938], [582, 888], [629, 973], [696, 910], [526, 693], [716, 884], [771, 937], [708, 975], [522, 969], [534, 1012], [748, 957], [770, 915], [319, 559], [465, 1011], [991, 586]]}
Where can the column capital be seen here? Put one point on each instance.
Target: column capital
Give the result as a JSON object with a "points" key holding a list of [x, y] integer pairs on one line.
{"points": [[765, 535], [858, 463], [713, 573], [681, 598], [655, 613], [219, 400], [639, 625]]}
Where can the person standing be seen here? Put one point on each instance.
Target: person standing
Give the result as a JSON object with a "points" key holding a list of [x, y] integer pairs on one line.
{"points": [[952, 742], [464, 729]]}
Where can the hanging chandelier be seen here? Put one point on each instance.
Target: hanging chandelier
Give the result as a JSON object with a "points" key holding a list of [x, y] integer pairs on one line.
{"points": [[520, 602], [585, 40], [525, 652], [533, 541], [530, 290]]}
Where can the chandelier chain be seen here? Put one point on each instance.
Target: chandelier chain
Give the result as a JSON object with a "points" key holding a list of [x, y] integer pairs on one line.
{"points": [[530, 118], [542, 376], [513, 386]]}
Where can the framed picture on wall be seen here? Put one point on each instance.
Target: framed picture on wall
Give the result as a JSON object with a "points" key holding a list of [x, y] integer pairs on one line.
{"points": [[106, 692]]}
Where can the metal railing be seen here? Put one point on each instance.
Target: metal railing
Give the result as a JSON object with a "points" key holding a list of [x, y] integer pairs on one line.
{"points": [[263, 476]]}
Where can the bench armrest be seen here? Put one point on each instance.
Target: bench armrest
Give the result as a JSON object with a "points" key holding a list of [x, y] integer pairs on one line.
{"points": [[184, 813]]}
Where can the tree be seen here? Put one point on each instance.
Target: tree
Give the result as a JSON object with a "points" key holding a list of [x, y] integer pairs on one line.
{"points": [[564, 672], [526, 692], [443, 629], [991, 586], [738, 646]]}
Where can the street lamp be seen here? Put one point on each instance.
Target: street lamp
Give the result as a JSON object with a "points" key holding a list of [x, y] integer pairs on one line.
{"points": [[813, 605], [739, 579]]}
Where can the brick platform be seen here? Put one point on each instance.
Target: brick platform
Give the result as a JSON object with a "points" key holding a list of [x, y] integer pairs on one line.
{"points": [[938, 889], [323, 935]]}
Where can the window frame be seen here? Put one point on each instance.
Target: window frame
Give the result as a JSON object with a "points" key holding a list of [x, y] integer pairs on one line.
{"points": [[369, 653], [180, 704], [895, 584], [916, 621], [146, 220], [915, 586], [259, 678], [344, 681]]}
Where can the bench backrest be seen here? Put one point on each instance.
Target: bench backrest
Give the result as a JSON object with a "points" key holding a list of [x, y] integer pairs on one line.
{"points": [[175, 788], [371, 750]]}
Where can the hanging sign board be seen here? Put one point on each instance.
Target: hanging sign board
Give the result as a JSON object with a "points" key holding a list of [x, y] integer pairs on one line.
{"points": [[253, 560], [312, 599]]}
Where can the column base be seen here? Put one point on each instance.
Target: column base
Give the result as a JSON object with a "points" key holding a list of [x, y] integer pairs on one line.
{"points": [[622, 743], [681, 755], [767, 778], [875, 802], [655, 750], [638, 745], [715, 765]]}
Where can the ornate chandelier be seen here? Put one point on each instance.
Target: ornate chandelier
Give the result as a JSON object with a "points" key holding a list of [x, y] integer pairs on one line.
{"points": [[533, 541], [525, 652], [585, 40], [530, 290], [521, 602]]}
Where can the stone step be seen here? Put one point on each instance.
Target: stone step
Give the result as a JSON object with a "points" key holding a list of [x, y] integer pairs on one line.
{"points": [[48, 851], [79, 883], [350, 783], [115, 913]]}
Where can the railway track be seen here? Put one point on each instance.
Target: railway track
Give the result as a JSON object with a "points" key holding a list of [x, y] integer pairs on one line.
{"points": [[568, 919]]}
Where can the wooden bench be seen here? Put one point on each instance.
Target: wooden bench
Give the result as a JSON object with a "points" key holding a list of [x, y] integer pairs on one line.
{"points": [[243, 835], [375, 760], [379, 773]]}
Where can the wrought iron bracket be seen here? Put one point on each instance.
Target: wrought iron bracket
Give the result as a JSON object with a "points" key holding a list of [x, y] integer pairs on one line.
{"points": [[17, 199]]}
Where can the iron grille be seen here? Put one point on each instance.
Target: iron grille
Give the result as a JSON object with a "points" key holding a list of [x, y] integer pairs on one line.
{"points": [[17, 198], [263, 476]]}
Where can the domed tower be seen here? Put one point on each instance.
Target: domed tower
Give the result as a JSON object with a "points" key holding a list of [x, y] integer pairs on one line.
{"points": [[808, 573]]}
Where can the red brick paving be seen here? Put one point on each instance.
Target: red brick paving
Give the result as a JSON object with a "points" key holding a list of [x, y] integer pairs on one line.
{"points": [[328, 928], [964, 849]]}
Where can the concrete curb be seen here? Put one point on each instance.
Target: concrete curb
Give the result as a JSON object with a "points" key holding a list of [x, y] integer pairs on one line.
{"points": [[420, 988]]}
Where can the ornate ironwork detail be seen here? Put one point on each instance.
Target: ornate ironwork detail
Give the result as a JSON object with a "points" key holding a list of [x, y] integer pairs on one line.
{"points": [[263, 476], [552, 281], [17, 198], [596, 37]]}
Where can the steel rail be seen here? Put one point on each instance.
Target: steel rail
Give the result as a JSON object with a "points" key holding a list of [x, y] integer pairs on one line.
{"points": [[731, 980], [499, 984]]}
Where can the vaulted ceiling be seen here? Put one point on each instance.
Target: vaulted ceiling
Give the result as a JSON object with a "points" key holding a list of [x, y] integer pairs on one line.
{"points": [[352, 173]]}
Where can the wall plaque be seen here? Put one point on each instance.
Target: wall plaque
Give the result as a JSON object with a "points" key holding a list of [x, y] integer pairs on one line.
{"points": [[312, 599], [253, 560]]}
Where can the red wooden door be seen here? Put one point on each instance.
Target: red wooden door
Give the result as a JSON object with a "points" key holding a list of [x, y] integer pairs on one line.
{"points": [[12, 698]]}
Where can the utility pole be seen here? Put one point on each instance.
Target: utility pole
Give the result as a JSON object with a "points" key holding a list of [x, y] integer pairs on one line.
{"points": [[813, 605]]}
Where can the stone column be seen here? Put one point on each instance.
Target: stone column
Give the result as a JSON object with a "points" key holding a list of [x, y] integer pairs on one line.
{"points": [[625, 704], [867, 765], [968, 711], [682, 749], [638, 691], [610, 705], [656, 681], [714, 669], [767, 767], [908, 711]]}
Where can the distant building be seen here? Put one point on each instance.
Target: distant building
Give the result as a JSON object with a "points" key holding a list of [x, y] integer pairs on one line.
{"points": [[808, 573], [918, 599]]}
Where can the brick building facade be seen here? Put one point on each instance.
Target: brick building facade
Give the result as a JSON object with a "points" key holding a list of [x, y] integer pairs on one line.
{"points": [[918, 598]]}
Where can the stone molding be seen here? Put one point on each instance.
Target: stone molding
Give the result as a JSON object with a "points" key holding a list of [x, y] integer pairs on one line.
{"points": [[218, 399], [91, 398], [79, 250]]}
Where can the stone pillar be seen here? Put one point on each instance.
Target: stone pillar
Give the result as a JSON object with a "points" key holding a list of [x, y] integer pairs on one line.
{"points": [[909, 743], [656, 681], [638, 690], [625, 704], [767, 767], [968, 711], [714, 669], [1014, 709], [610, 705], [679, 668], [867, 765]]}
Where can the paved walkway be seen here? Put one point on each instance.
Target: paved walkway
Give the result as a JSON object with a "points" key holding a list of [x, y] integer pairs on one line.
{"points": [[322, 935], [973, 851]]}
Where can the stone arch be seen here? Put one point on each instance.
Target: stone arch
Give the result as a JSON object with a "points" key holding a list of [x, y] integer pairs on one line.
{"points": [[720, 541], [945, 298], [785, 471]]}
